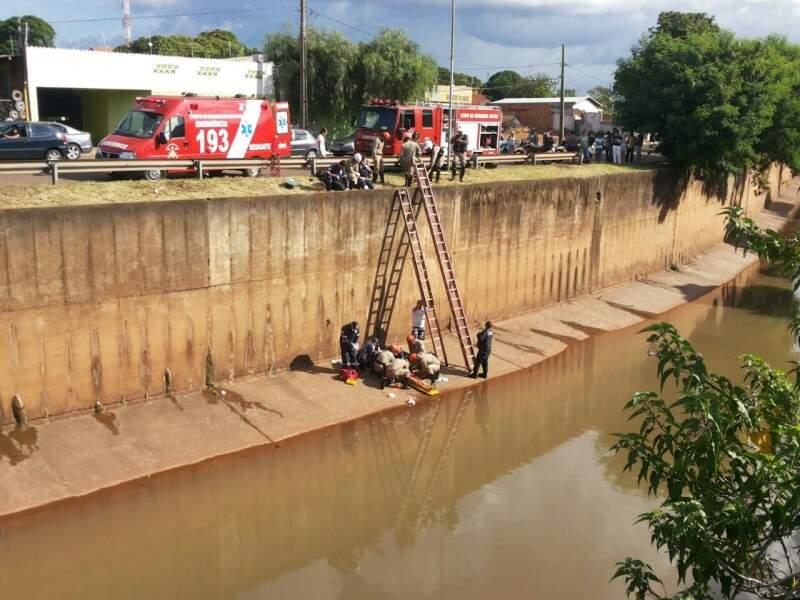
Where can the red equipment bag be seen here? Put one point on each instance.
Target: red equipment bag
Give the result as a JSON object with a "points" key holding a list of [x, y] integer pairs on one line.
{"points": [[348, 375]]}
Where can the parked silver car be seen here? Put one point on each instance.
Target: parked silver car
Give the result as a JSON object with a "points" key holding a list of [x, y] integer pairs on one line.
{"points": [[78, 142], [303, 143]]}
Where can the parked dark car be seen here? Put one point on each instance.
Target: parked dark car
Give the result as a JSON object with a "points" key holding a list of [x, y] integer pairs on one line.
{"points": [[303, 143], [344, 146], [31, 141], [78, 142]]}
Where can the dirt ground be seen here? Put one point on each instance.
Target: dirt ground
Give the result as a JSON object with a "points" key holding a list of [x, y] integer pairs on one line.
{"points": [[180, 188]]}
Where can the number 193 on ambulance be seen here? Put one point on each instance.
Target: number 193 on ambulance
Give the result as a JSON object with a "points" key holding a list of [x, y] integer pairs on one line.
{"points": [[193, 128]]}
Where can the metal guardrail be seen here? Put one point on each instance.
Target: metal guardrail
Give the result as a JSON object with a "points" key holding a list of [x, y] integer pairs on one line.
{"points": [[200, 167]]}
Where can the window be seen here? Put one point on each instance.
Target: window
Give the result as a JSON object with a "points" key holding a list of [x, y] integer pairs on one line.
{"points": [[139, 123], [41, 131], [408, 119], [427, 118], [175, 128], [13, 131], [377, 117]]}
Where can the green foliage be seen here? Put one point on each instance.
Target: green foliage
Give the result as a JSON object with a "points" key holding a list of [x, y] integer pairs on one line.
{"points": [[391, 65], [510, 84], [458, 78], [343, 75], [603, 95], [12, 33], [218, 43], [723, 456], [717, 102]]}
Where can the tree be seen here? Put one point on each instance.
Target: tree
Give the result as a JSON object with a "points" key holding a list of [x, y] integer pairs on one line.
{"points": [[459, 79], [343, 75], [12, 33], [391, 65], [711, 97], [725, 457], [218, 43], [510, 84], [331, 62], [603, 95]]}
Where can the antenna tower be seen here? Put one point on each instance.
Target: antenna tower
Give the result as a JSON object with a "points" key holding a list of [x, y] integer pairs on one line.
{"points": [[126, 21]]}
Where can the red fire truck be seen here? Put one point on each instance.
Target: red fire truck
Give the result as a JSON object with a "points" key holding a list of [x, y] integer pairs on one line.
{"points": [[193, 127], [480, 123]]}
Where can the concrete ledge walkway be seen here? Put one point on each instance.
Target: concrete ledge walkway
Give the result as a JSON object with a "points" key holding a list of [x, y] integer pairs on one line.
{"points": [[65, 458]]}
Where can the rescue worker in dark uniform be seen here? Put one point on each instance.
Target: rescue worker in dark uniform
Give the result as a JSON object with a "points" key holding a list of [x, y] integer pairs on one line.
{"points": [[460, 143], [348, 343], [484, 351]]}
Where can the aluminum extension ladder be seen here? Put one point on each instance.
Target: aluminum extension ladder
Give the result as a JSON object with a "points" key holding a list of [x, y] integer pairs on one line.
{"points": [[445, 264], [388, 274], [421, 271]]}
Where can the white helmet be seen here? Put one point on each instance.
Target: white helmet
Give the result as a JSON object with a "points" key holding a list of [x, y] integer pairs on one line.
{"points": [[357, 157]]}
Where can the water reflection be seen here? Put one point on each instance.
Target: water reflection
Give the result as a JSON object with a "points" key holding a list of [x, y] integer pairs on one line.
{"points": [[505, 490]]}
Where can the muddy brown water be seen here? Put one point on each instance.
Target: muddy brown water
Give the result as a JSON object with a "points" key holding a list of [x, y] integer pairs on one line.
{"points": [[502, 491]]}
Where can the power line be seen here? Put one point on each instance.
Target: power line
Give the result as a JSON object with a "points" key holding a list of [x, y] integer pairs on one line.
{"points": [[477, 67], [604, 81], [171, 15], [315, 12]]}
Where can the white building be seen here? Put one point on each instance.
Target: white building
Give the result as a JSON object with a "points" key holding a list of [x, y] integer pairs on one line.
{"points": [[92, 90]]}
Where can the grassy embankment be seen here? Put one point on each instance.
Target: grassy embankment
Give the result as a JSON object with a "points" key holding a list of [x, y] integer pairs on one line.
{"points": [[112, 192]]}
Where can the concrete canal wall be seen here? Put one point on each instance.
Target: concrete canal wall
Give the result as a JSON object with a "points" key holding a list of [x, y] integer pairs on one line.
{"points": [[98, 302]]}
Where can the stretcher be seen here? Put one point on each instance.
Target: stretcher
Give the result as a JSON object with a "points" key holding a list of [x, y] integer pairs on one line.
{"points": [[420, 385]]}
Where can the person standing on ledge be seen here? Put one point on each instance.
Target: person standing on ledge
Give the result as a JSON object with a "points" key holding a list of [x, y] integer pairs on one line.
{"points": [[322, 151], [410, 152], [418, 319], [484, 351]]}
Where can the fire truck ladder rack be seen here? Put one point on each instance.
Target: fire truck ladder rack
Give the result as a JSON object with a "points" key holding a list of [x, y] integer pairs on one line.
{"points": [[421, 271], [387, 281], [445, 264]]}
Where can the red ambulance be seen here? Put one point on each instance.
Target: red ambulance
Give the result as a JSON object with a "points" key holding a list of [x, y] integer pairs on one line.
{"points": [[193, 127], [480, 123]]}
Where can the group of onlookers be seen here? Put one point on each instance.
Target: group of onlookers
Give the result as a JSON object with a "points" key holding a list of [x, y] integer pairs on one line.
{"points": [[615, 146]]}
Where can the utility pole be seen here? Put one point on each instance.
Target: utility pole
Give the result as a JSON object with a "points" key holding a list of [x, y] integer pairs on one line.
{"points": [[561, 111], [451, 115], [303, 68]]}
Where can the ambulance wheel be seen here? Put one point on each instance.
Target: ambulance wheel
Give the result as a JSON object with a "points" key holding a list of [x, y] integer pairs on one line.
{"points": [[152, 175], [252, 172]]}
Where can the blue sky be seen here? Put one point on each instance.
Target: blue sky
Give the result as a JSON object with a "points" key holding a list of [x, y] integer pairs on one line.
{"points": [[491, 34]]}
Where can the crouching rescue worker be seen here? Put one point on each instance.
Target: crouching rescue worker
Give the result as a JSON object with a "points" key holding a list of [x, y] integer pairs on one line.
{"points": [[395, 367], [368, 354], [484, 351], [426, 365], [415, 345]]}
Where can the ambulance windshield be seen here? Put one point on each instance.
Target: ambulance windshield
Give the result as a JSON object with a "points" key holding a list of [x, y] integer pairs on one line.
{"points": [[377, 117], [139, 124]]}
